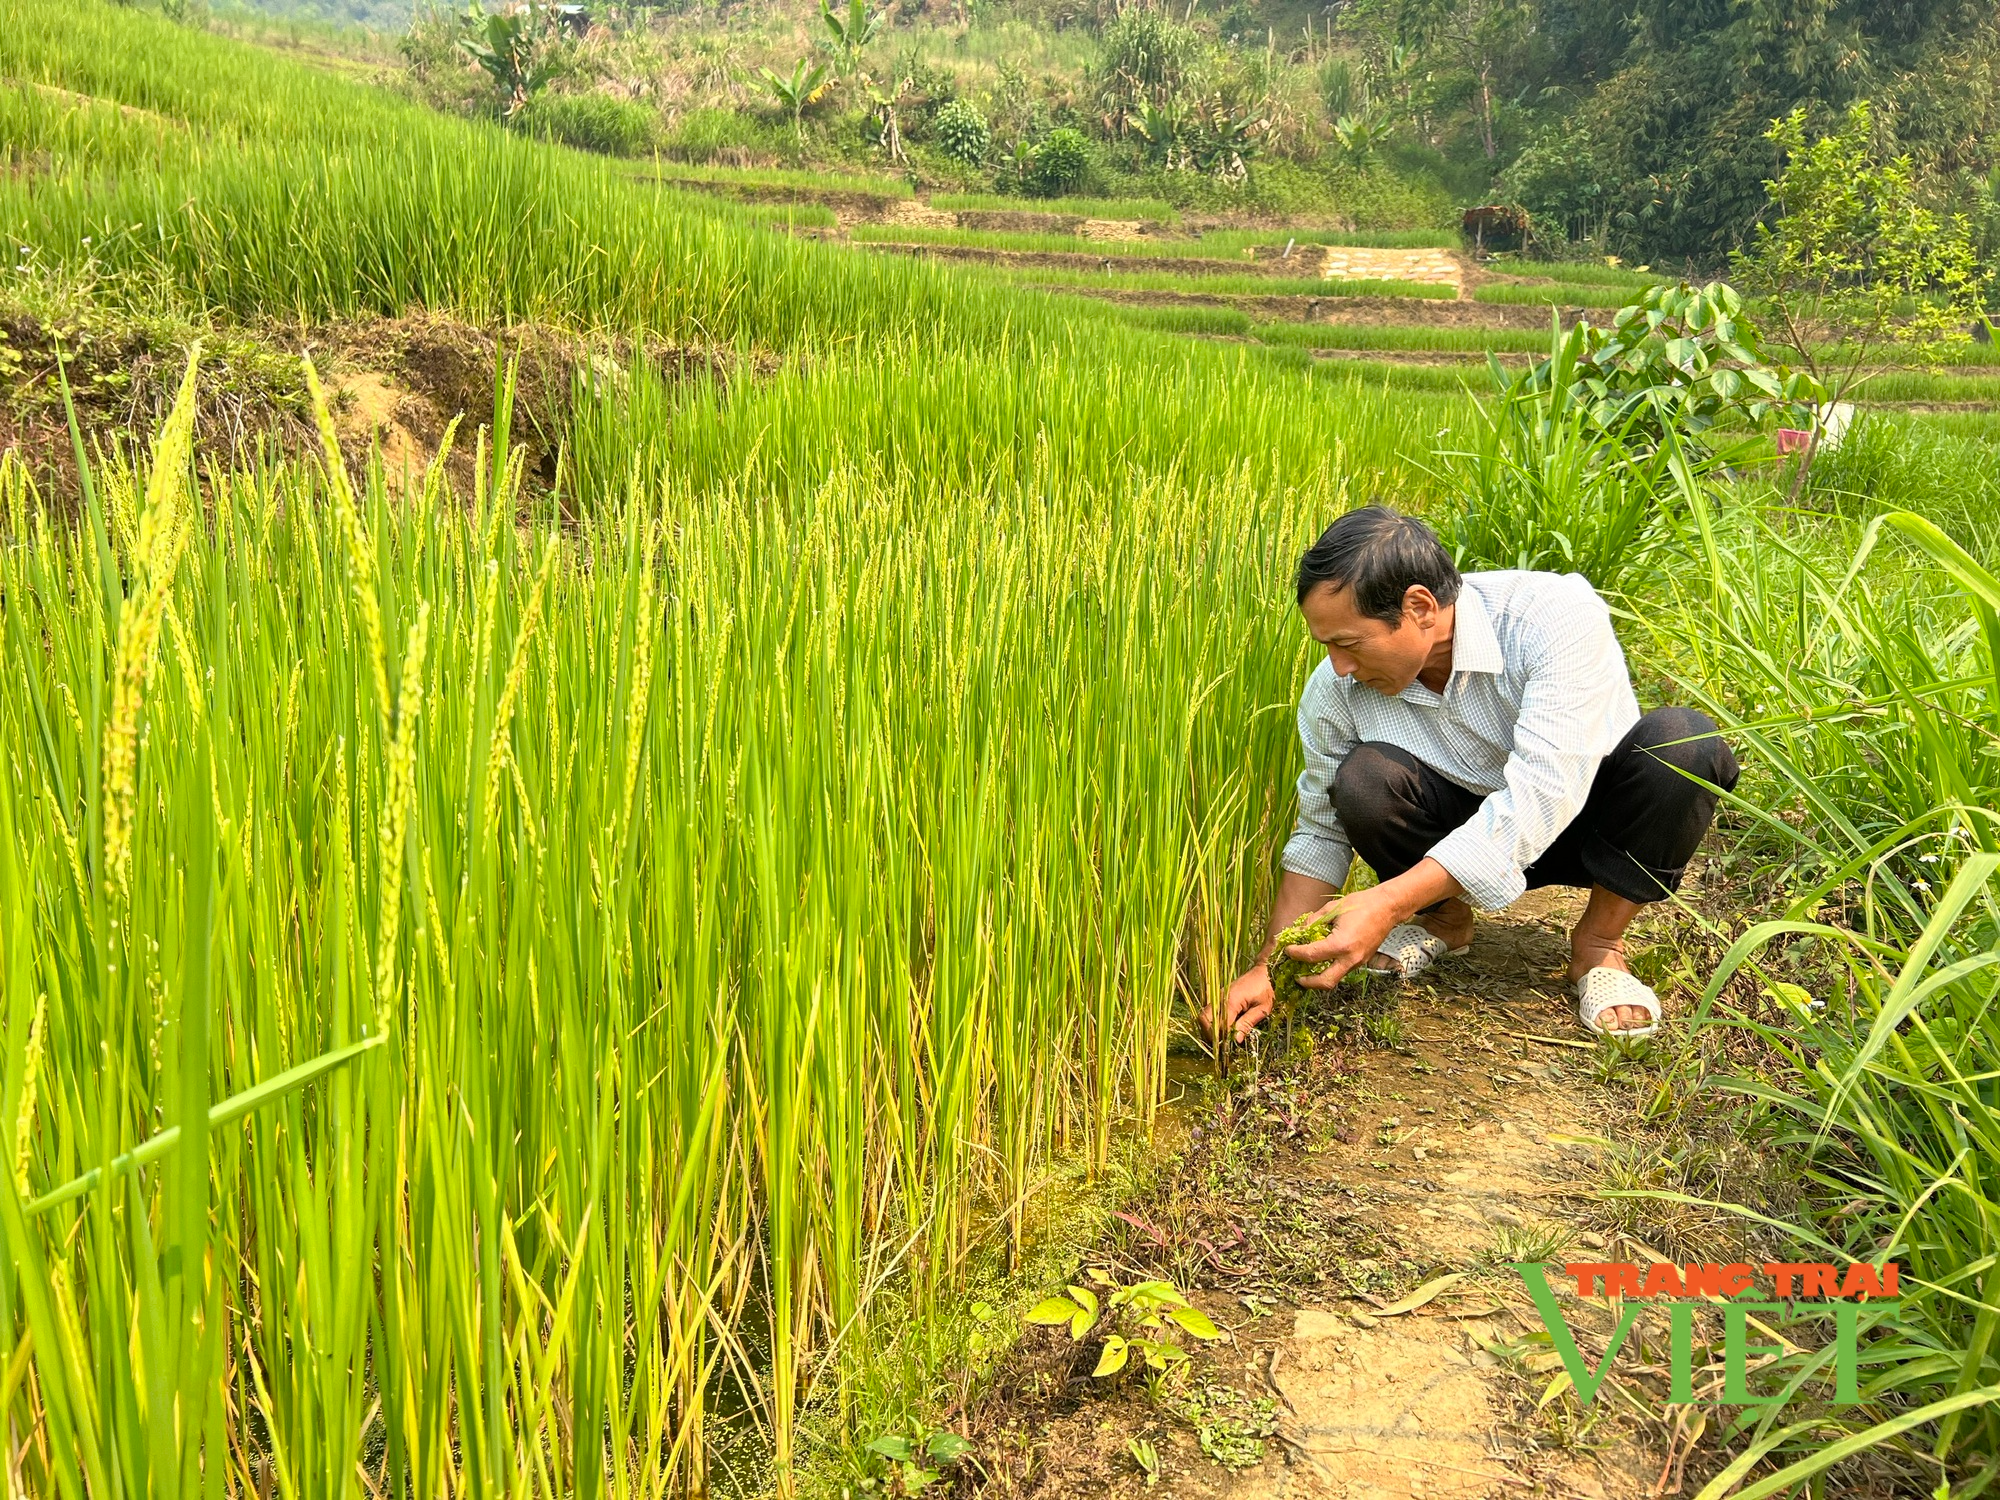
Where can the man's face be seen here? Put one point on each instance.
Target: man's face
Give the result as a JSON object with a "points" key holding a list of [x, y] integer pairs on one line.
{"points": [[1386, 658]]}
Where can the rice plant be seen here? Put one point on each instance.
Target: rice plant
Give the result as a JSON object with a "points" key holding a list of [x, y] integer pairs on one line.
{"points": [[1553, 294], [637, 944], [1154, 209], [1228, 283]]}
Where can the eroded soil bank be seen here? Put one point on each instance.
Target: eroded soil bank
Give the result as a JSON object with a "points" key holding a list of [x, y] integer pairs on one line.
{"points": [[394, 385]]}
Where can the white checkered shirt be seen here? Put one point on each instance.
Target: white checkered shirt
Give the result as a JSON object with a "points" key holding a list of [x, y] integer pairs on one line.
{"points": [[1538, 696]]}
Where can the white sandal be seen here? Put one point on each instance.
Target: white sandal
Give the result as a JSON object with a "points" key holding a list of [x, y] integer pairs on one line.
{"points": [[1604, 989], [1413, 949]]}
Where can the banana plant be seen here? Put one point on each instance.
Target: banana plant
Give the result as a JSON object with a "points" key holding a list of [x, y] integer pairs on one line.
{"points": [[849, 32], [884, 103], [1226, 140], [1361, 135], [795, 94], [1163, 129], [515, 49]]}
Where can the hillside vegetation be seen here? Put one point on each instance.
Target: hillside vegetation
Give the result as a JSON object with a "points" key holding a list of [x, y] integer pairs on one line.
{"points": [[1638, 131]]}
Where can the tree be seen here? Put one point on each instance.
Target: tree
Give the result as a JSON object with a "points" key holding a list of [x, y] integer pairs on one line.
{"points": [[1469, 35], [1681, 126], [1855, 261]]}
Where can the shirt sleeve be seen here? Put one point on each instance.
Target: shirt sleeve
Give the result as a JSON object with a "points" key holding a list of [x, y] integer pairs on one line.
{"points": [[1319, 846], [1574, 685]]}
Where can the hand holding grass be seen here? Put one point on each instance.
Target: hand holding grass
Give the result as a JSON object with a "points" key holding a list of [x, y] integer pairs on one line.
{"points": [[1289, 965], [1340, 936]]}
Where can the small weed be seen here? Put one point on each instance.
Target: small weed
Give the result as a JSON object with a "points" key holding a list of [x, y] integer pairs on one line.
{"points": [[915, 1462], [1142, 1317], [1615, 1061], [1230, 1426], [1384, 1028], [1530, 1243], [1147, 1457]]}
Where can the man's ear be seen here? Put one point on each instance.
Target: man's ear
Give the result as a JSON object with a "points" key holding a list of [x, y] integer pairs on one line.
{"points": [[1420, 606]]}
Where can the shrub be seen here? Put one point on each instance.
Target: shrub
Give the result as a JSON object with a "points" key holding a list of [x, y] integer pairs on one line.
{"points": [[961, 132], [1566, 190], [1061, 162], [1682, 357], [590, 122], [1857, 262]]}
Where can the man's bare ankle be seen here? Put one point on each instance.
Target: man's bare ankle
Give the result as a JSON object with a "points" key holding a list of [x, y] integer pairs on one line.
{"points": [[1588, 951], [1450, 920]]}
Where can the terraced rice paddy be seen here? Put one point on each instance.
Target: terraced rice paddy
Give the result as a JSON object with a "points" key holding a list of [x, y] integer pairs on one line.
{"points": [[574, 983]]}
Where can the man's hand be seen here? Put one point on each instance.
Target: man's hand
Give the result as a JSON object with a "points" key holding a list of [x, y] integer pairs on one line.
{"points": [[1360, 922], [1246, 1005]]}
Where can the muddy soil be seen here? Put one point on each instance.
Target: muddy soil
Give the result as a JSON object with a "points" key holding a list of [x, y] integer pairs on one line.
{"points": [[1476, 1129]]}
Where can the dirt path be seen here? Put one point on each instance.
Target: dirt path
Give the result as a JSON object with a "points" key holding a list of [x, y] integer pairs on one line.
{"points": [[1474, 1131], [1476, 1143]]}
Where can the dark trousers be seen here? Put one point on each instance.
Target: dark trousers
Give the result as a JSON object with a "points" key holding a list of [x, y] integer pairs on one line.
{"points": [[1642, 822]]}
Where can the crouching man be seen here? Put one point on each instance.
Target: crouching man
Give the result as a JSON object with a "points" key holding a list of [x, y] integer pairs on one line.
{"points": [[1471, 738]]}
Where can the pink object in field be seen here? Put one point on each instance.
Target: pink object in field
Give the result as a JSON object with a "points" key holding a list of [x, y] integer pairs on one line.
{"points": [[1829, 430]]}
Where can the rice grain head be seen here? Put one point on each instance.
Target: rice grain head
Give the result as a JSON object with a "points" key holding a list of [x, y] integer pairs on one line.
{"points": [[399, 793], [160, 534], [642, 677], [360, 554], [24, 1117], [517, 671]]}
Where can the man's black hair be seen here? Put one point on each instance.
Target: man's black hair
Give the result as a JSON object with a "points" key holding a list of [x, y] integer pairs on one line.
{"points": [[1376, 554]]}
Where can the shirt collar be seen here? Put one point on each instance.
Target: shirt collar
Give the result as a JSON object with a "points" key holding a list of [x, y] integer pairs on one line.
{"points": [[1474, 646]]}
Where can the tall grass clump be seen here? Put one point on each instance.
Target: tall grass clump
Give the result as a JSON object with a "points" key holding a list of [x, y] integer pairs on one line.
{"points": [[1548, 484], [1890, 462], [1864, 691], [486, 994]]}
